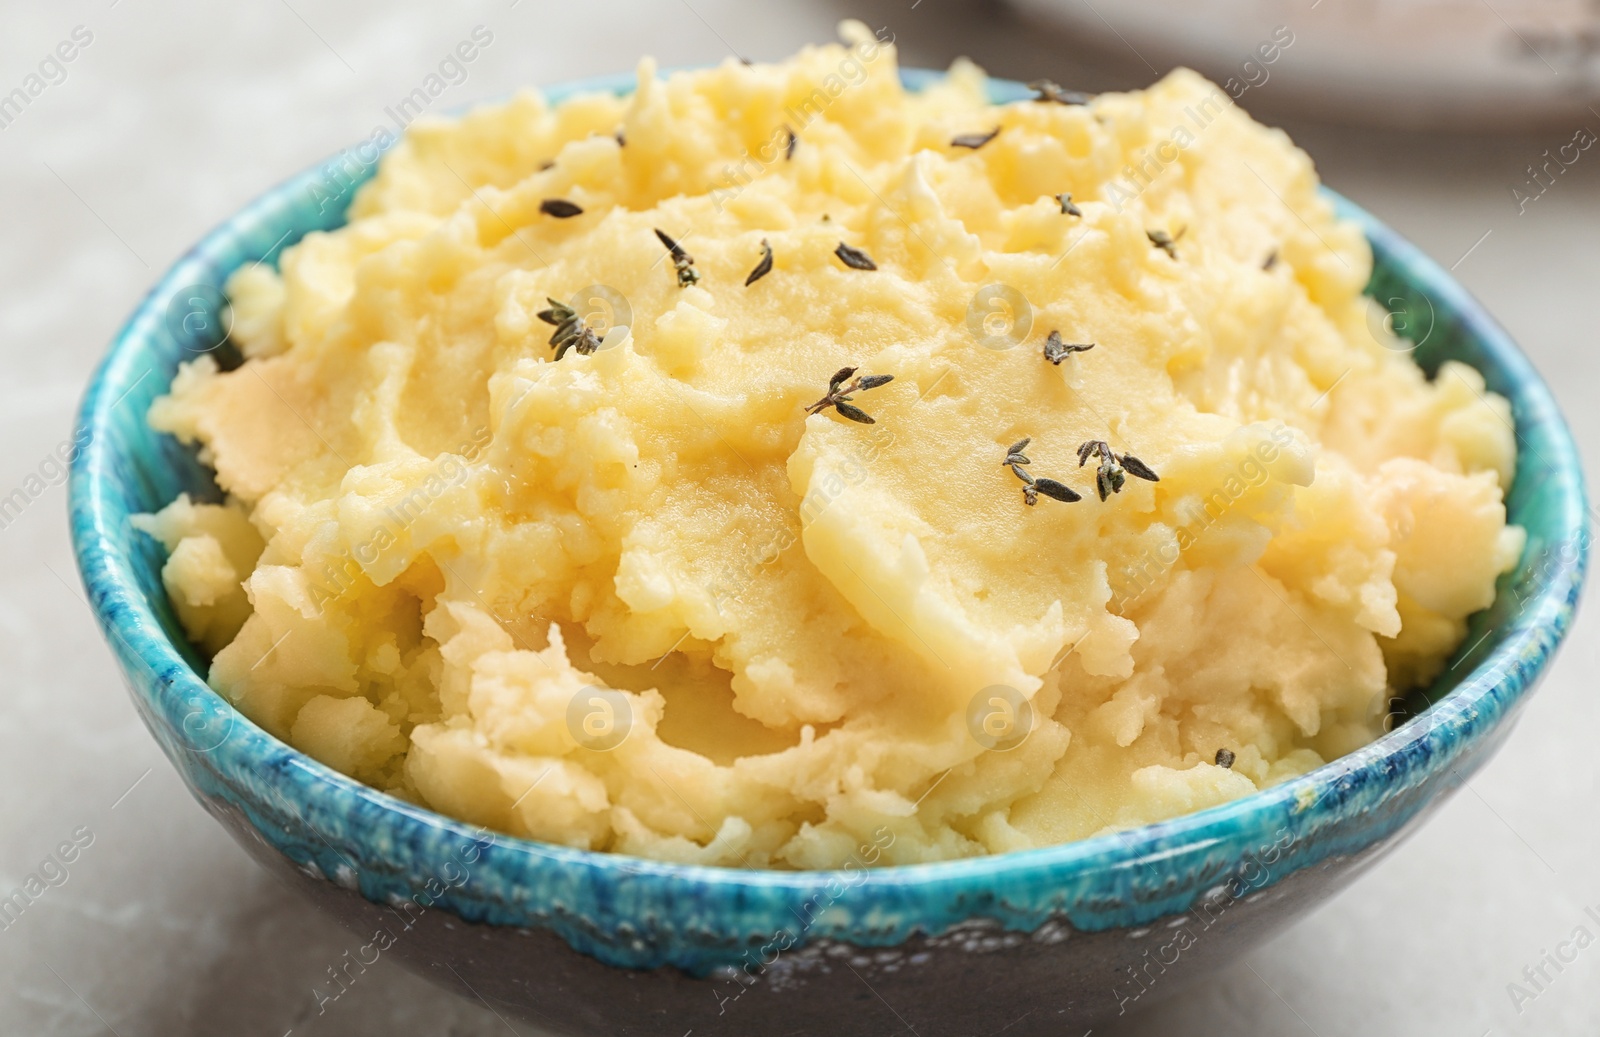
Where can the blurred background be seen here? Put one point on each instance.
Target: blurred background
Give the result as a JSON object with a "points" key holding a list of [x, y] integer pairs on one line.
{"points": [[1446, 118]]}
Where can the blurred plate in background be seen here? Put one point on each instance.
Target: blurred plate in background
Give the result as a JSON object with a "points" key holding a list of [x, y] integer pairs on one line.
{"points": [[1468, 64]]}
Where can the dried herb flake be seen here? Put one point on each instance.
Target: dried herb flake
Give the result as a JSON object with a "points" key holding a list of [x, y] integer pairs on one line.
{"points": [[1055, 350], [1049, 91], [974, 140], [1164, 241], [560, 208], [854, 257], [764, 267], [1067, 208], [1060, 491]]}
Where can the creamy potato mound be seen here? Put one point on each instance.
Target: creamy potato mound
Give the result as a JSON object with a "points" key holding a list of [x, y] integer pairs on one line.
{"points": [[638, 599]]}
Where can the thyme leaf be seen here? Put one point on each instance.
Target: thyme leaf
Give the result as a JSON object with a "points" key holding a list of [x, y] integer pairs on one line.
{"points": [[854, 413], [1164, 241], [974, 140], [1138, 469], [854, 258], [1058, 491], [764, 267]]}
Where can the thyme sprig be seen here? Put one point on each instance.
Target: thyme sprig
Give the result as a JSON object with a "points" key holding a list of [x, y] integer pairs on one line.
{"points": [[682, 261], [839, 394], [1114, 467], [1050, 91], [571, 330], [1031, 487], [764, 267], [1055, 350]]}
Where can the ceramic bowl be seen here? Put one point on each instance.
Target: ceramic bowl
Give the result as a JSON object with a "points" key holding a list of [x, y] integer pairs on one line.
{"points": [[1459, 66], [593, 943]]}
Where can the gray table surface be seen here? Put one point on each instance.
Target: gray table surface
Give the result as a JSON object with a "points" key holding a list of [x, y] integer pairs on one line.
{"points": [[175, 115]]}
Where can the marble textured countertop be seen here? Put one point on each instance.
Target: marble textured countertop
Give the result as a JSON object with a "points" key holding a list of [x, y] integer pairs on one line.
{"points": [[174, 115]]}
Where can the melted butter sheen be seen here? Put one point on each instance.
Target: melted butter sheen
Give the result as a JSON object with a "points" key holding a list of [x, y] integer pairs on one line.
{"points": [[638, 600]]}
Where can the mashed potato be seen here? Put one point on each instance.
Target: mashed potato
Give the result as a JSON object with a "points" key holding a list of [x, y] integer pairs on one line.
{"points": [[639, 599]]}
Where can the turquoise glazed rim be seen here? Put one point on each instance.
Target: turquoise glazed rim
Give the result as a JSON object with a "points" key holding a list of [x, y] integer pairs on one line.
{"points": [[641, 913]]}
